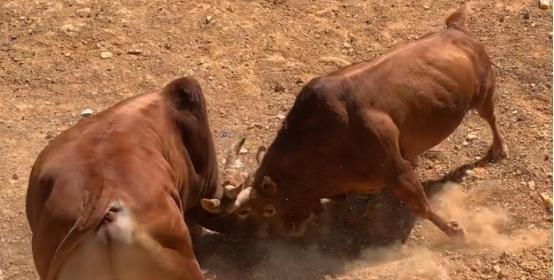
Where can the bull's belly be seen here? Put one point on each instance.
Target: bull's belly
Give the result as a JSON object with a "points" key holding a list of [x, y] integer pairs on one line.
{"points": [[115, 252], [429, 133]]}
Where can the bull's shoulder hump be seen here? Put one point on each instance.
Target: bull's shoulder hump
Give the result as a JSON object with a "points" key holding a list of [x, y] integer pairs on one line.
{"points": [[325, 91], [185, 94]]}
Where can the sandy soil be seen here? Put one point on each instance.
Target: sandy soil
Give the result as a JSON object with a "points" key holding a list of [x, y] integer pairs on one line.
{"points": [[251, 58]]}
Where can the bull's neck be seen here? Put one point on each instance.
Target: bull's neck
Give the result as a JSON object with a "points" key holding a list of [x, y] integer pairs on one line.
{"points": [[286, 166]]}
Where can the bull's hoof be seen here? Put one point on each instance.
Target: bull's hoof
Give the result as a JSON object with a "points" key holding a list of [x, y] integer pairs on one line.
{"points": [[496, 153], [455, 231]]}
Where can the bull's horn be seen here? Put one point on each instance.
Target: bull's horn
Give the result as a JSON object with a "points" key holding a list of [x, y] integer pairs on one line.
{"points": [[260, 154], [232, 191], [325, 200], [232, 155], [212, 205], [245, 195]]}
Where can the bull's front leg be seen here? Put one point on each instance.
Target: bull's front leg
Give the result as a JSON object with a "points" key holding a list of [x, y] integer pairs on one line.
{"points": [[399, 175], [409, 189]]}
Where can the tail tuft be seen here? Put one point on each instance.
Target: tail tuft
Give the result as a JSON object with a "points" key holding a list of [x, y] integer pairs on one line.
{"points": [[457, 19]]}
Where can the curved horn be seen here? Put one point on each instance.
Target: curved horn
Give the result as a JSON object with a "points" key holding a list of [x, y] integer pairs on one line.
{"points": [[212, 205], [260, 154], [227, 205], [232, 191], [232, 155], [245, 195]]}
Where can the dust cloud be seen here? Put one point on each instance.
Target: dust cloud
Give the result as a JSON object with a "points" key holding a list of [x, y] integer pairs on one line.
{"points": [[485, 228]]}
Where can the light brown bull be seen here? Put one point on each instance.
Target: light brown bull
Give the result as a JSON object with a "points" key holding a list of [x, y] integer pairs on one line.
{"points": [[360, 129], [107, 197]]}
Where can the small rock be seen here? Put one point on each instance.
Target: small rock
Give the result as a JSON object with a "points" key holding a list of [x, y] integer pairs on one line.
{"points": [[341, 62], [15, 177], [426, 7], [299, 81], [347, 45], [6, 47], [69, 28], [471, 136], [105, 55], [531, 185], [224, 133], [209, 19], [545, 4], [255, 125], [465, 143], [243, 150], [85, 12], [134, 51], [49, 135], [505, 255], [496, 268], [278, 87], [87, 112], [280, 117]]}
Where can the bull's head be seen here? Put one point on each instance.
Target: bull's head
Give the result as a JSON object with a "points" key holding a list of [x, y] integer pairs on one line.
{"points": [[258, 207]]}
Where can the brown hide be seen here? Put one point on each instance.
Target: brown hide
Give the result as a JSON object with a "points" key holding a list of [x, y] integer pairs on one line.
{"points": [[152, 155], [360, 129]]}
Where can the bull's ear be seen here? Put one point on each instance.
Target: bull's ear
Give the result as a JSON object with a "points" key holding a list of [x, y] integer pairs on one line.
{"points": [[269, 186], [185, 95], [211, 205]]}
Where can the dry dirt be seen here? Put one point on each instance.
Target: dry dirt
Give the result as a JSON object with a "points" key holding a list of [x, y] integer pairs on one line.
{"points": [[251, 58]]}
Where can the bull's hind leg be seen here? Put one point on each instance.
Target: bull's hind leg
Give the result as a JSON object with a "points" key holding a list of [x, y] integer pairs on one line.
{"points": [[399, 174], [498, 149]]}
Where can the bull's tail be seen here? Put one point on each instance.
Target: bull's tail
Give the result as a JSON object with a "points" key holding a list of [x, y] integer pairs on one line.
{"points": [[94, 211], [457, 20]]}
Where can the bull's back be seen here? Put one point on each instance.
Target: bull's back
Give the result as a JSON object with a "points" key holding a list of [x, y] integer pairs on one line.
{"points": [[425, 87]]}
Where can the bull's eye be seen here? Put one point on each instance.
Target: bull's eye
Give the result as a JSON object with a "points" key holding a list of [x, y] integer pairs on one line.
{"points": [[269, 211], [244, 211]]}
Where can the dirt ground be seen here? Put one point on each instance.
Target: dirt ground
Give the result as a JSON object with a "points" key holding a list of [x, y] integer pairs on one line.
{"points": [[252, 57]]}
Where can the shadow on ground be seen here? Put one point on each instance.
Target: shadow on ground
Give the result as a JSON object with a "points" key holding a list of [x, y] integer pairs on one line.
{"points": [[348, 226]]}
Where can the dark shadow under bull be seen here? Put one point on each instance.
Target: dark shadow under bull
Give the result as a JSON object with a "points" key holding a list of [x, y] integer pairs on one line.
{"points": [[347, 226]]}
